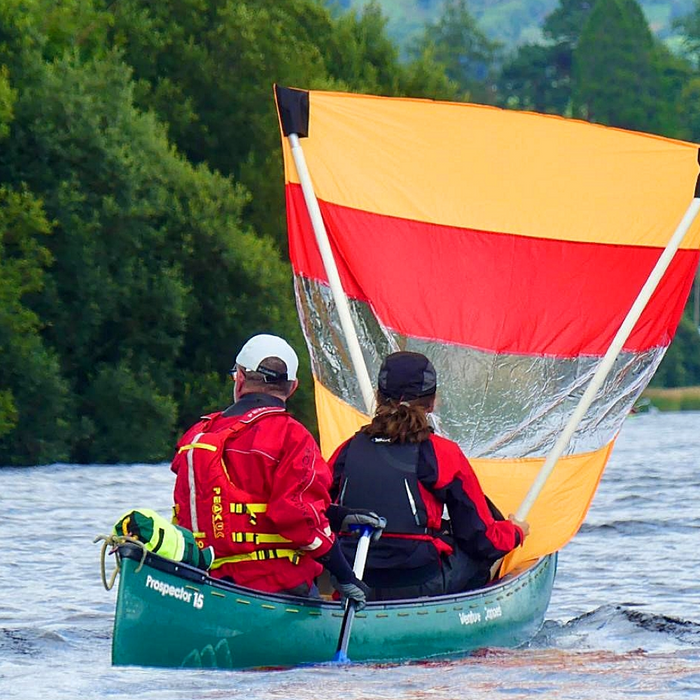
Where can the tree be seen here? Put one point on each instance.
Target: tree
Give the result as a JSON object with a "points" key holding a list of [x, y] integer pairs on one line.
{"points": [[34, 406], [681, 363], [179, 53], [360, 55], [690, 112], [689, 115], [33, 397], [457, 43], [538, 76], [564, 24], [616, 75], [155, 278], [689, 26], [424, 76]]}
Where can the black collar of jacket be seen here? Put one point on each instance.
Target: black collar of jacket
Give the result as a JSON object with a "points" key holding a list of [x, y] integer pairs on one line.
{"points": [[248, 402]]}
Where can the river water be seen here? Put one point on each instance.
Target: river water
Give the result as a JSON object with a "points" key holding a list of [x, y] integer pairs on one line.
{"points": [[624, 620]]}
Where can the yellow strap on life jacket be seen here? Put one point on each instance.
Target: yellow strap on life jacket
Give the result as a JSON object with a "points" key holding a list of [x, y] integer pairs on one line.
{"points": [[259, 555], [200, 445], [257, 537], [250, 509]]}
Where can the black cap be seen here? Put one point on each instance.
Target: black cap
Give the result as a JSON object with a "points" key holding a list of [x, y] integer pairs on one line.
{"points": [[407, 376]]}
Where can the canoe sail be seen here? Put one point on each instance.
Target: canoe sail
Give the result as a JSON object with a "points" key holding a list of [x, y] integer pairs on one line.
{"points": [[506, 246]]}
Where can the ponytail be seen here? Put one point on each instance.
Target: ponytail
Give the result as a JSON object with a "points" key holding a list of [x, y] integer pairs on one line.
{"points": [[401, 421]]}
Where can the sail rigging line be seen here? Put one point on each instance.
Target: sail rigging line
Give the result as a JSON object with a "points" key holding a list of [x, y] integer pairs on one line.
{"points": [[331, 269], [610, 356]]}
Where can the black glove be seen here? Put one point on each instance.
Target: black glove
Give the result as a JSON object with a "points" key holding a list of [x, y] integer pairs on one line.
{"points": [[343, 578], [341, 518], [356, 591]]}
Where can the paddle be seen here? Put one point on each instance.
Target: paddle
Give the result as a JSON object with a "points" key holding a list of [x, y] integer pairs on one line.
{"points": [[358, 567]]}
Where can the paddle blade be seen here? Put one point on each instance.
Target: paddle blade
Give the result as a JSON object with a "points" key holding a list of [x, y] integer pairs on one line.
{"points": [[341, 657]]}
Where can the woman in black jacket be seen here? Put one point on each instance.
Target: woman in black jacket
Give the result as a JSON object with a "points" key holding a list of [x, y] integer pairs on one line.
{"points": [[396, 466]]}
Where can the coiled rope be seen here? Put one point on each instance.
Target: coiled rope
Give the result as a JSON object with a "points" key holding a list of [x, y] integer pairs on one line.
{"points": [[116, 541]]}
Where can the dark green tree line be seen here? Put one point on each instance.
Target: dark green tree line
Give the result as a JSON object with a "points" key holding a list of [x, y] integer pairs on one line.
{"points": [[135, 256], [154, 276]]}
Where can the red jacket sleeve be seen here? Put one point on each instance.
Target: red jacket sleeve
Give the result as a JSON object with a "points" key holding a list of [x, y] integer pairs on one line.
{"points": [[473, 525], [299, 493]]}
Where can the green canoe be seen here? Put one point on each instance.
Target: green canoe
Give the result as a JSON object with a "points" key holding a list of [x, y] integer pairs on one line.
{"points": [[174, 615]]}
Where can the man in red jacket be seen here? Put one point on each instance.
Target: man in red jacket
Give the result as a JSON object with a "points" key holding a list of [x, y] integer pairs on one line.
{"points": [[251, 482]]}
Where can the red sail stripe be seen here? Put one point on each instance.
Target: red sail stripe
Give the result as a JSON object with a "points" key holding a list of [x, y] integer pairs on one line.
{"points": [[497, 292]]}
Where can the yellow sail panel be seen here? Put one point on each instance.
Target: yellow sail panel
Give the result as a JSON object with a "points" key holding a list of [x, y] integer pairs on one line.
{"points": [[487, 169], [561, 507], [337, 420], [556, 515]]}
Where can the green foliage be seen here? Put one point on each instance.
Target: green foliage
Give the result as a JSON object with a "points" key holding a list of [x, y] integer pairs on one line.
{"points": [[564, 24], [614, 60], [690, 112], [424, 76], [537, 78], [457, 43], [154, 270], [7, 100], [34, 408], [681, 363], [679, 399], [126, 418], [101, 177], [8, 412], [361, 56], [179, 53], [673, 105], [689, 26], [512, 22]]}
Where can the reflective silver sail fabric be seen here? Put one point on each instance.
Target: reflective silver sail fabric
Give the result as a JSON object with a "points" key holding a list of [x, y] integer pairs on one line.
{"points": [[494, 406]]}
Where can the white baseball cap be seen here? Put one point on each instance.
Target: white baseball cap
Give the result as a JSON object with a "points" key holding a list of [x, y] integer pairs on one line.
{"points": [[260, 347]]}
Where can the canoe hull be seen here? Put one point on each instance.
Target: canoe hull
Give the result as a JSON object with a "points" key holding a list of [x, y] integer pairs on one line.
{"points": [[172, 615]]}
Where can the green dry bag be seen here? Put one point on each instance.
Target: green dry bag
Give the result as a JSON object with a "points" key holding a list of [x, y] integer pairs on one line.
{"points": [[162, 537]]}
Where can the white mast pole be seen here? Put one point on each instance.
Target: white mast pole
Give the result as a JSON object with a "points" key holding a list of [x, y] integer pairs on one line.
{"points": [[609, 358], [341, 301]]}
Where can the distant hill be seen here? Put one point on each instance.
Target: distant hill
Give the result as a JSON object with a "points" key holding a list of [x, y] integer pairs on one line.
{"points": [[512, 22]]}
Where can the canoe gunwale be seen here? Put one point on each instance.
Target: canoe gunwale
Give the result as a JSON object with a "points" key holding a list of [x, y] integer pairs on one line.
{"points": [[199, 576]]}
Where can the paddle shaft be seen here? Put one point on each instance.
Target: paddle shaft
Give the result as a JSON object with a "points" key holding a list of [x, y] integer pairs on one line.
{"points": [[358, 567]]}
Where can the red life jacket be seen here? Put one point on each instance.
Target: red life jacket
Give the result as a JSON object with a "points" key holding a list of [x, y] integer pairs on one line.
{"points": [[209, 503]]}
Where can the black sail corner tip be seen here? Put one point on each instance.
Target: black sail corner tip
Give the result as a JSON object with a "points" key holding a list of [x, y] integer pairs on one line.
{"points": [[697, 181], [293, 108]]}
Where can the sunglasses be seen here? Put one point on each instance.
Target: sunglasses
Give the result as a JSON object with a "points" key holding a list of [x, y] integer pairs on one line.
{"points": [[269, 375]]}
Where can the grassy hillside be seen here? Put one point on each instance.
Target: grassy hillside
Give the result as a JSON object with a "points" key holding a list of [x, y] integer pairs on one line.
{"points": [[510, 21], [680, 399]]}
